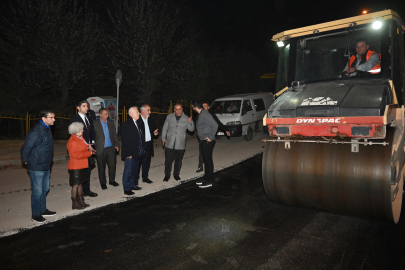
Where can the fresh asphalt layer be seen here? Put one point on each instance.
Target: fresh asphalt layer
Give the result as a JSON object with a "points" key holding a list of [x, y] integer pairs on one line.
{"points": [[15, 193], [229, 226]]}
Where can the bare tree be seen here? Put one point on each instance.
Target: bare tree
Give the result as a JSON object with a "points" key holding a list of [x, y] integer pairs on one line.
{"points": [[54, 43], [146, 41]]}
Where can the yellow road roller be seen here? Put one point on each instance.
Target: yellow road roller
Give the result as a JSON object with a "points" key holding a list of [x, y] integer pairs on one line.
{"points": [[336, 128]]}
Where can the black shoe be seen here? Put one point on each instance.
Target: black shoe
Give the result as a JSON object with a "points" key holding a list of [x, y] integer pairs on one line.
{"points": [[115, 184], [38, 219], [90, 194], [167, 177], [48, 213], [129, 193], [199, 169], [199, 182], [136, 188], [177, 177], [103, 187], [147, 181], [205, 185]]}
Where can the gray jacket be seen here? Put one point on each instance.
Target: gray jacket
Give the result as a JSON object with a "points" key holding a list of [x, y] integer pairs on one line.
{"points": [[174, 133], [206, 126]]}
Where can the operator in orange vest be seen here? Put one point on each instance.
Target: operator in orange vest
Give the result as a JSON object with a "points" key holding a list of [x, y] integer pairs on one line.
{"points": [[365, 60]]}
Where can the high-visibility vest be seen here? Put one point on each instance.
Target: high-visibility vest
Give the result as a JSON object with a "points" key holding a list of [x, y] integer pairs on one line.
{"points": [[376, 69]]}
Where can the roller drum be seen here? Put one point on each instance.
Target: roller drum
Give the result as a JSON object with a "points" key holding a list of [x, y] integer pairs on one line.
{"points": [[330, 177]]}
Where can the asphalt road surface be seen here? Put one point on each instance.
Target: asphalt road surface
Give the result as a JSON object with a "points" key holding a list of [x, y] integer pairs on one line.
{"points": [[229, 226]]}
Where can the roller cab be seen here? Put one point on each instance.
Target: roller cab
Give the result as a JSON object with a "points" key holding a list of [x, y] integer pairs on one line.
{"points": [[336, 138]]}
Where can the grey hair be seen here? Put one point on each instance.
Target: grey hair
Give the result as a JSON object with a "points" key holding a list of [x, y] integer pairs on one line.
{"points": [[131, 109], [143, 107], [75, 127]]}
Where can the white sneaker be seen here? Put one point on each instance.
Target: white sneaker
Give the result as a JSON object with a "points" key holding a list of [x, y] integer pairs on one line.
{"points": [[205, 185]]}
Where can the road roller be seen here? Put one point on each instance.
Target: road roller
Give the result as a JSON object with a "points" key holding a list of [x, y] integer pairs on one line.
{"points": [[336, 128]]}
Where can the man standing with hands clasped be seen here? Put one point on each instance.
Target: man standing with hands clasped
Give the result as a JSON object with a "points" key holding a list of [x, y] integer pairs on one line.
{"points": [[206, 130], [132, 150], [174, 138]]}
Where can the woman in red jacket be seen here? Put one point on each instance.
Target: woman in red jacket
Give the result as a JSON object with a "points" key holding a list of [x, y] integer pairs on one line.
{"points": [[79, 151]]}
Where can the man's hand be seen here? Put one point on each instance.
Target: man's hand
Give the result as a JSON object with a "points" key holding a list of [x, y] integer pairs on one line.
{"points": [[351, 70], [190, 119], [208, 139], [156, 132], [91, 148], [163, 143], [117, 148], [228, 134], [130, 157]]}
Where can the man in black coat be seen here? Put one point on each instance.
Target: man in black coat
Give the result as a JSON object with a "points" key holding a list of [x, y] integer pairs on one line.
{"points": [[131, 150], [89, 135], [220, 127], [150, 131]]}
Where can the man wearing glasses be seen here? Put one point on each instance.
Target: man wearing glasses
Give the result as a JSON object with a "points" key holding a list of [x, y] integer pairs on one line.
{"points": [[37, 153]]}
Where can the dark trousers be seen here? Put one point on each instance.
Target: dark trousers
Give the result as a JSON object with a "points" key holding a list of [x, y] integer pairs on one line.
{"points": [[206, 150], [131, 170], [108, 157], [145, 160], [200, 159], [86, 185], [171, 154]]}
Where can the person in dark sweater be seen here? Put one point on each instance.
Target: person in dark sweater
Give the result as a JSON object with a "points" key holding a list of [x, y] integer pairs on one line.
{"points": [[37, 153], [206, 130], [221, 127]]}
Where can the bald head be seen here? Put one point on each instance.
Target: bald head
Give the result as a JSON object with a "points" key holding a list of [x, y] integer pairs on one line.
{"points": [[134, 112], [178, 110]]}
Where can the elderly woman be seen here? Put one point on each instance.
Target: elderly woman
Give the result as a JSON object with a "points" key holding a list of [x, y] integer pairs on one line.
{"points": [[79, 151]]}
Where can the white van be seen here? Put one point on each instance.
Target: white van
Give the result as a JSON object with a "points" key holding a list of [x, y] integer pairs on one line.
{"points": [[242, 114]]}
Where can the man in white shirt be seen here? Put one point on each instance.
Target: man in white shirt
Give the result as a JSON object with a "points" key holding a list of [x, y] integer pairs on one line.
{"points": [[150, 130]]}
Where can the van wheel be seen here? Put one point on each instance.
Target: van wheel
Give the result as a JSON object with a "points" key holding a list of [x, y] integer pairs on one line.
{"points": [[249, 134]]}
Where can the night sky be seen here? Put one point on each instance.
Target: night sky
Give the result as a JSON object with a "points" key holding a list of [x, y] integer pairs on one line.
{"points": [[250, 24]]}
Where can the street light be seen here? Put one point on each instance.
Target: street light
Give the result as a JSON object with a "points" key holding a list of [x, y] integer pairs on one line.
{"points": [[118, 81]]}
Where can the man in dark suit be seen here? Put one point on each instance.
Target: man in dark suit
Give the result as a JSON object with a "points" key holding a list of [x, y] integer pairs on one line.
{"points": [[132, 150], [89, 136], [106, 144], [149, 130]]}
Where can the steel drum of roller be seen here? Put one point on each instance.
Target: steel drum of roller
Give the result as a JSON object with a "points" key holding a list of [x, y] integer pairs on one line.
{"points": [[332, 178]]}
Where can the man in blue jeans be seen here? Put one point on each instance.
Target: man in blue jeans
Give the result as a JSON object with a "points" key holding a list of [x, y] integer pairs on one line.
{"points": [[36, 153]]}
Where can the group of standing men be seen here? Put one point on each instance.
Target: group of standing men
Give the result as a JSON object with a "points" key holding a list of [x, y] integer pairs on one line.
{"points": [[137, 148]]}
